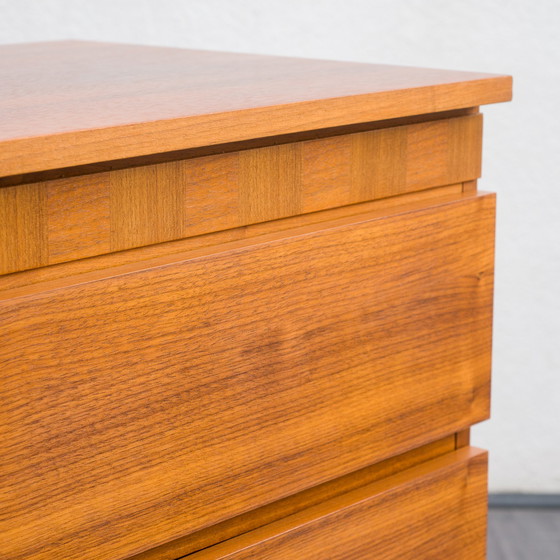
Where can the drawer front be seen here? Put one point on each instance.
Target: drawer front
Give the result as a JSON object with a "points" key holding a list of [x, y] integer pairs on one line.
{"points": [[436, 511], [150, 403], [75, 217]]}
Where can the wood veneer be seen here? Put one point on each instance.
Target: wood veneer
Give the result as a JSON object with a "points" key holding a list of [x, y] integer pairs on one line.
{"points": [[71, 218], [302, 500], [150, 252], [436, 510], [245, 306], [123, 391], [78, 103]]}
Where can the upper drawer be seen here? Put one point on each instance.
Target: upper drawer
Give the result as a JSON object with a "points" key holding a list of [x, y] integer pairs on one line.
{"points": [[144, 404], [66, 219]]}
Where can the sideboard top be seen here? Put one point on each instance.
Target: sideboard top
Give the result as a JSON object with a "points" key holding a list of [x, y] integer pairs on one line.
{"points": [[74, 103]]}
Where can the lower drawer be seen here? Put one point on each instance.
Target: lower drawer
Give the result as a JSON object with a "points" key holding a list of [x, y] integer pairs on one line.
{"points": [[436, 510]]}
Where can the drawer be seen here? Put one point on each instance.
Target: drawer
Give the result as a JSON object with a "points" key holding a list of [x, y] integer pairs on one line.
{"points": [[69, 218], [430, 512], [154, 400], [294, 503]]}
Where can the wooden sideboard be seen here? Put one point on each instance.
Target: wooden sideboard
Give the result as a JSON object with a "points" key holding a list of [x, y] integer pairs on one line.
{"points": [[245, 306]]}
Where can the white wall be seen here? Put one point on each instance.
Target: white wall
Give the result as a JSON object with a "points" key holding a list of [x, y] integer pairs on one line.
{"points": [[522, 151]]}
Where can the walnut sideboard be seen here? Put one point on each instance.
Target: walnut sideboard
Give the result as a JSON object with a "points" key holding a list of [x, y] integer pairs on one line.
{"points": [[245, 306]]}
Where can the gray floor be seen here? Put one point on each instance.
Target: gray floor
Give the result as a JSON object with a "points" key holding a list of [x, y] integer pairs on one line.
{"points": [[524, 534]]}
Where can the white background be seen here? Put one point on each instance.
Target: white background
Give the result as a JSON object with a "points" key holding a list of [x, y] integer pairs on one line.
{"points": [[521, 150]]}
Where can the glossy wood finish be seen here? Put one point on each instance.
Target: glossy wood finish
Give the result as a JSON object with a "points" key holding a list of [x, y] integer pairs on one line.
{"points": [[245, 306], [435, 511], [150, 252], [463, 438], [204, 151], [168, 417], [79, 102], [77, 217], [23, 236], [298, 502]]}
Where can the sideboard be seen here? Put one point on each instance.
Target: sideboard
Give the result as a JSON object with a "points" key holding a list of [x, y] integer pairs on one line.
{"points": [[245, 306]]}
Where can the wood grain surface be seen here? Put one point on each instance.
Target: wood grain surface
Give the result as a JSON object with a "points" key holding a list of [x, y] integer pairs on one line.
{"points": [[78, 217], [75, 103], [435, 511], [214, 149], [463, 438], [153, 402], [302, 500], [150, 252]]}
